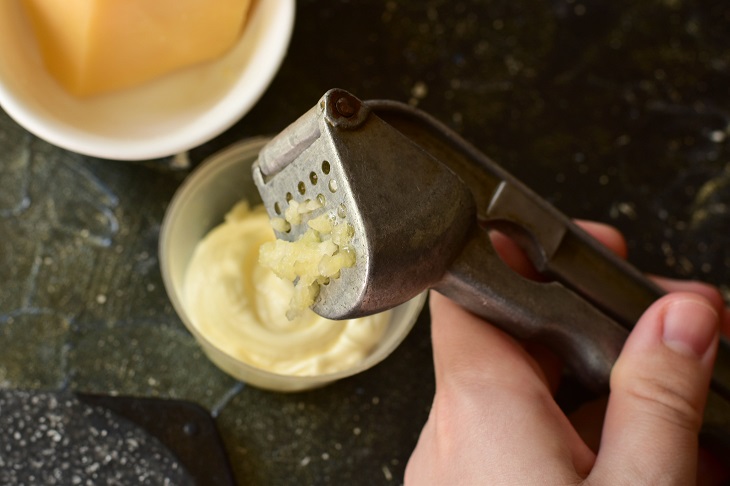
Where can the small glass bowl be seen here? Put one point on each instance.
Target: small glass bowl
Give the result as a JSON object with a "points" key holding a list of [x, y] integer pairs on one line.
{"points": [[197, 207]]}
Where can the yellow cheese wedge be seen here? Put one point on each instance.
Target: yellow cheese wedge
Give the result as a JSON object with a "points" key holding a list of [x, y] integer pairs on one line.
{"points": [[95, 46]]}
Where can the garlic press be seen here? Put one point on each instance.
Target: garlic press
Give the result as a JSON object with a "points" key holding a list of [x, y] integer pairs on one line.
{"points": [[421, 200]]}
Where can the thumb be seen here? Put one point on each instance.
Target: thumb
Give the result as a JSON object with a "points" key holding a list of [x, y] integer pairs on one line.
{"points": [[658, 391]]}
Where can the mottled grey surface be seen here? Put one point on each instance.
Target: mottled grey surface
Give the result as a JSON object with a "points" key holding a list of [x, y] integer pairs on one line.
{"points": [[617, 111], [54, 439]]}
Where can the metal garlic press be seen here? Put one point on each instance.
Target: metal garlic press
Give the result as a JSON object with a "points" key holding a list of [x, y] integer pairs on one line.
{"points": [[421, 200]]}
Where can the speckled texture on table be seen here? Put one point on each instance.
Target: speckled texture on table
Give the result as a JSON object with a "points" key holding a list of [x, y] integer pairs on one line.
{"points": [[55, 439], [613, 110]]}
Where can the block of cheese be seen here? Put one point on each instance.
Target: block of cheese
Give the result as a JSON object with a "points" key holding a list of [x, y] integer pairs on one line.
{"points": [[96, 46]]}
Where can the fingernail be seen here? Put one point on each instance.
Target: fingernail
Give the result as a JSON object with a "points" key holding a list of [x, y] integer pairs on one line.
{"points": [[690, 327]]}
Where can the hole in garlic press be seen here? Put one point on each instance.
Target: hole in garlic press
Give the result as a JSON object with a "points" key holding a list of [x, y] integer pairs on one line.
{"points": [[277, 208], [321, 199], [301, 188], [332, 185], [516, 247], [326, 167], [288, 197], [313, 178], [341, 211]]}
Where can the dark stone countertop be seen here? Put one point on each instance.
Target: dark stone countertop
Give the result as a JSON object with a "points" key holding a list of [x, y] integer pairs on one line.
{"points": [[617, 111]]}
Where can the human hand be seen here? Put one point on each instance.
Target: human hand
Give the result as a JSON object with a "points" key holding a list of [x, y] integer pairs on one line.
{"points": [[494, 419]]}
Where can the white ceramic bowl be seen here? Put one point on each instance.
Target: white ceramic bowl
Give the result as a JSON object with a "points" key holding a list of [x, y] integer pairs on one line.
{"points": [[160, 118], [197, 207]]}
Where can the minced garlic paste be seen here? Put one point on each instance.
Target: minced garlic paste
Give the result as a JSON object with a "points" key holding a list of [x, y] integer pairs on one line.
{"points": [[314, 258], [241, 307]]}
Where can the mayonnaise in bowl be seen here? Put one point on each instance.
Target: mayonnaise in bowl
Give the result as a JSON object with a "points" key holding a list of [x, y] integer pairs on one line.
{"points": [[198, 207], [241, 306]]}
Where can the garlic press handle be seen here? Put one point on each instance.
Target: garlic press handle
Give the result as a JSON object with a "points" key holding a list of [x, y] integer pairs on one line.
{"points": [[555, 245], [547, 313]]}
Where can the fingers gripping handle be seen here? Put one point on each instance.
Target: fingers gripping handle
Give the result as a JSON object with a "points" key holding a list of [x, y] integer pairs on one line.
{"points": [[586, 339], [547, 313]]}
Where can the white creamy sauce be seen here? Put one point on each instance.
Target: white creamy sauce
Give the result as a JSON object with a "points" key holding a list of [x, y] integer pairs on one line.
{"points": [[241, 307]]}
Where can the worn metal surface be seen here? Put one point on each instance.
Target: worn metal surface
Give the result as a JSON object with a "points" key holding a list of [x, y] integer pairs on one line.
{"points": [[409, 212], [617, 111], [413, 216]]}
